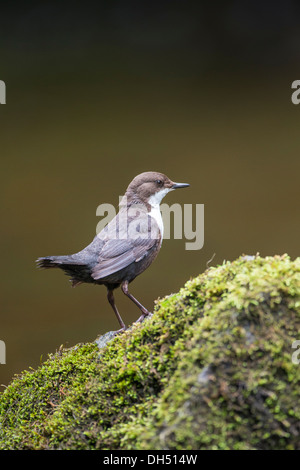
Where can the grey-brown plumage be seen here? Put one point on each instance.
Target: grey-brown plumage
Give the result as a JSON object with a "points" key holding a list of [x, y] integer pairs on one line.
{"points": [[126, 246]]}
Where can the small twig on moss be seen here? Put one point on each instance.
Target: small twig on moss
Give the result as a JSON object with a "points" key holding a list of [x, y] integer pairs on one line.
{"points": [[210, 260]]}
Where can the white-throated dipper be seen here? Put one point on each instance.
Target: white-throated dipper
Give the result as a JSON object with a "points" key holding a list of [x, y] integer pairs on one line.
{"points": [[126, 246]]}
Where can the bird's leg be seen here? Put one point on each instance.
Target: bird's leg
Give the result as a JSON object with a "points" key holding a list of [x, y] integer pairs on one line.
{"points": [[111, 299], [145, 312]]}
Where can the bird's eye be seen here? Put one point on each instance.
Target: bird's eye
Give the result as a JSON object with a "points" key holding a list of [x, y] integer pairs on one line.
{"points": [[159, 182]]}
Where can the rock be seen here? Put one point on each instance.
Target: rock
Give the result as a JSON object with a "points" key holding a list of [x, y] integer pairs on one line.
{"points": [[211, 369], [102, 340]]}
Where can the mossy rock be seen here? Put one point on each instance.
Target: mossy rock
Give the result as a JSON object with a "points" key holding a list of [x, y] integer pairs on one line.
{"points": [[211, 369]]}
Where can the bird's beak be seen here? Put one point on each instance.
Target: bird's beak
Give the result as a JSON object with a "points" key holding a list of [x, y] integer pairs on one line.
{"points": [[179, 185]]}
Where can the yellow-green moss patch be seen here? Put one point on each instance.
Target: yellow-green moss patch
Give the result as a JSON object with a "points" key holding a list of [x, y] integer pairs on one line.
{"points": [[212, 369]]}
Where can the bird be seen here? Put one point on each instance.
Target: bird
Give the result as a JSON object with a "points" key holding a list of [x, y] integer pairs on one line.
{"points": [[126, 246]]}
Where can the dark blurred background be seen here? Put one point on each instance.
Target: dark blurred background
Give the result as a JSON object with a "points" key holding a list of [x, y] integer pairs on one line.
{"points": [[99, 92]]}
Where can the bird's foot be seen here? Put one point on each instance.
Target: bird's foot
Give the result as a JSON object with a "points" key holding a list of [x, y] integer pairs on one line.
{"points": [[121, 330], [143, 316]]}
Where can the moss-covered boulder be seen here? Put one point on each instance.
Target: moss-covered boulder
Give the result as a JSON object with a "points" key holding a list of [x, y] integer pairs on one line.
{"points": [[211, 369]]}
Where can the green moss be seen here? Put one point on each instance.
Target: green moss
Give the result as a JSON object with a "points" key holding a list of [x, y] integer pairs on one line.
{"points": [[211, 369]]}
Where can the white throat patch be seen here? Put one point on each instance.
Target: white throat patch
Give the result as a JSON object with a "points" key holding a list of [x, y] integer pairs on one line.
{"points": [[154, 202]]}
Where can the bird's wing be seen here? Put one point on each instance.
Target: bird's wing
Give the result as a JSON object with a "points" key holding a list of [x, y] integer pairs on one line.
{"points": [[127, 240]]}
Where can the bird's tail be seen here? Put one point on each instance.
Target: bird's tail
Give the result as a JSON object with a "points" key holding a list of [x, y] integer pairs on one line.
{"points": [[53, 261], [70, 264]]}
